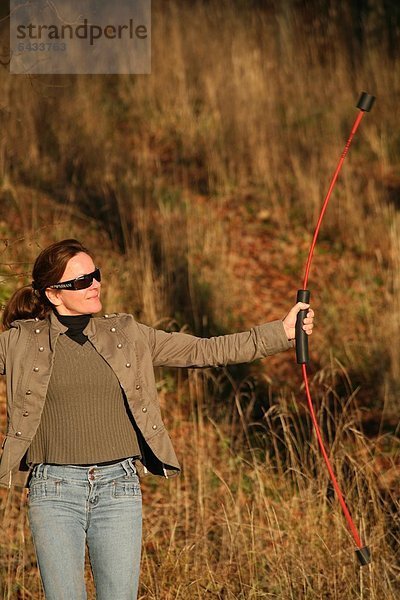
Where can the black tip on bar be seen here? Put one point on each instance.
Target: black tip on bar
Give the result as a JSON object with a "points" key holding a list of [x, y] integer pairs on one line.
{"points": [[363, 555], [301, 336], [365, 102]]}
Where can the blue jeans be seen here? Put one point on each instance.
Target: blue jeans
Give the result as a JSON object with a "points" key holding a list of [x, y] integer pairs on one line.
{"points": [[70, 506]]}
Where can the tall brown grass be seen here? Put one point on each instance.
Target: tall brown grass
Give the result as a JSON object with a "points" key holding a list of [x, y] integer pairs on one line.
{"points": [[245, 113], [253, 514]]}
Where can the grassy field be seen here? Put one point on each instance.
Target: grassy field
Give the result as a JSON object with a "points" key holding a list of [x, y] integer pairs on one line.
{"points": [[253, 514], [198, 188]]}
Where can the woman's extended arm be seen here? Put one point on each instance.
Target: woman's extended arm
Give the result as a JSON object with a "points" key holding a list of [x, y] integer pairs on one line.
{"points": [[183, 350]]}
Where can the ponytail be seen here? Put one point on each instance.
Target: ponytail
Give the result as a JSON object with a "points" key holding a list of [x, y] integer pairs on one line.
{"points": [[29, 302], [25, 303]]}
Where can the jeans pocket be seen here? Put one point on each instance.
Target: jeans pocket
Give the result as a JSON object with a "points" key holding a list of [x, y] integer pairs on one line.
{"points": [[126, 486], [40, 489]]}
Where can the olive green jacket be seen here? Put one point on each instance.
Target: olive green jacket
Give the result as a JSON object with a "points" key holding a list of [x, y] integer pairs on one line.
{"points": [[132, 350]]}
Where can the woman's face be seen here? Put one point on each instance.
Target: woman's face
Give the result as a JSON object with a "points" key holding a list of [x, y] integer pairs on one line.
{"points": [[77, 302]]}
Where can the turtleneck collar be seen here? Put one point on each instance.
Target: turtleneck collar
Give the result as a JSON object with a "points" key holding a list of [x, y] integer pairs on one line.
{"points": [[76, 324]]}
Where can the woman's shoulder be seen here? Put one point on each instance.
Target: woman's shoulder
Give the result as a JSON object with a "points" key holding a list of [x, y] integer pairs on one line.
{"points": [[115, 319], [123, 321], [115, 316], [19, 329], [26, 324]]}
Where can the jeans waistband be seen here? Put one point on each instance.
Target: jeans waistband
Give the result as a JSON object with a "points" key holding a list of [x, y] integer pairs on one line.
{"points": [[126, 466]]}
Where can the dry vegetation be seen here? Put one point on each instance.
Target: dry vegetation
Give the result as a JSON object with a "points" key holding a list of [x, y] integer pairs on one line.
{"points": [[198, 188]]}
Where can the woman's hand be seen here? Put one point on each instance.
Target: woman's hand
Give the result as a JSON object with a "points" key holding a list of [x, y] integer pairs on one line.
{"points": [[289, 321]]}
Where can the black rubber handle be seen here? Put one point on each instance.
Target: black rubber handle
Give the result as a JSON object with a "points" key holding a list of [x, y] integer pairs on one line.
{"points": [[365, 102], [301, 336]]}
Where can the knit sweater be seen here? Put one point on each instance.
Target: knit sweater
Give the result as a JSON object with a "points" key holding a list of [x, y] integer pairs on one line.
{"points": [[85, 419]]}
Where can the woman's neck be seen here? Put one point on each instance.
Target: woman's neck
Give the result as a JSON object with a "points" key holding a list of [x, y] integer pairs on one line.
{"points": [[76, 324]]}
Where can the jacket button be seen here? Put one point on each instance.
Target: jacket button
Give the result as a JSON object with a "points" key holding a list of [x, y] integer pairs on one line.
{"points": [[113, 330], [37, 330], [18, 433], [41, 348], [128, 365], [36, 369], [28, 392], [119, 345], [144, 409], [137, 386], [106, 316], [25, 413], [154, 426]]}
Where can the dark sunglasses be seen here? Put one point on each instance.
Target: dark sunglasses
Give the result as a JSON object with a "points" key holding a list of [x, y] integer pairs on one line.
{"points": [[80, 283]]}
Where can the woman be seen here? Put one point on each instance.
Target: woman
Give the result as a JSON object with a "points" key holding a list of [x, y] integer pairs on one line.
{"points": [[83, 416]]}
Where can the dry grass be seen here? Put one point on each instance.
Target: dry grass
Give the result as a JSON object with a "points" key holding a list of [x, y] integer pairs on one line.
{"points": [[253, 515], [176, 180]]}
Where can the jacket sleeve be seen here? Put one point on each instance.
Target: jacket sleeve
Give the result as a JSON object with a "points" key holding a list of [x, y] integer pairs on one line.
{"points": [[184, 350], [4, 337]]}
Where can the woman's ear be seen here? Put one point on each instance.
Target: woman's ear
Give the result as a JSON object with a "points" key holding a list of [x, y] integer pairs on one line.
{"points": [[53, 296]]}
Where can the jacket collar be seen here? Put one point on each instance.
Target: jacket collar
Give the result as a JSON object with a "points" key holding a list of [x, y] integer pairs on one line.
{"points": [[55, 324], [56, 328], [91, 329]]}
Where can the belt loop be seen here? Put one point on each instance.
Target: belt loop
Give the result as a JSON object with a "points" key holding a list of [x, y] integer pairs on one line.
{"points": [[124, 464], [37, 471], [45, 469], [132, 465]]}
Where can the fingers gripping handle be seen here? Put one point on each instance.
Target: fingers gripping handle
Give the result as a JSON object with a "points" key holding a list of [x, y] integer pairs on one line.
{"points": [[301, 336]]}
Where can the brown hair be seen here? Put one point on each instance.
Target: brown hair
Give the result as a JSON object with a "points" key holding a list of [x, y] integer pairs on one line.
{"points": [[31, 301]]}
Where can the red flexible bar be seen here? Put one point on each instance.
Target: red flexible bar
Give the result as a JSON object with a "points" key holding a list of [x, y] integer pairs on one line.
{"points": [[362, 552], [328, 195], [349, 520]]}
